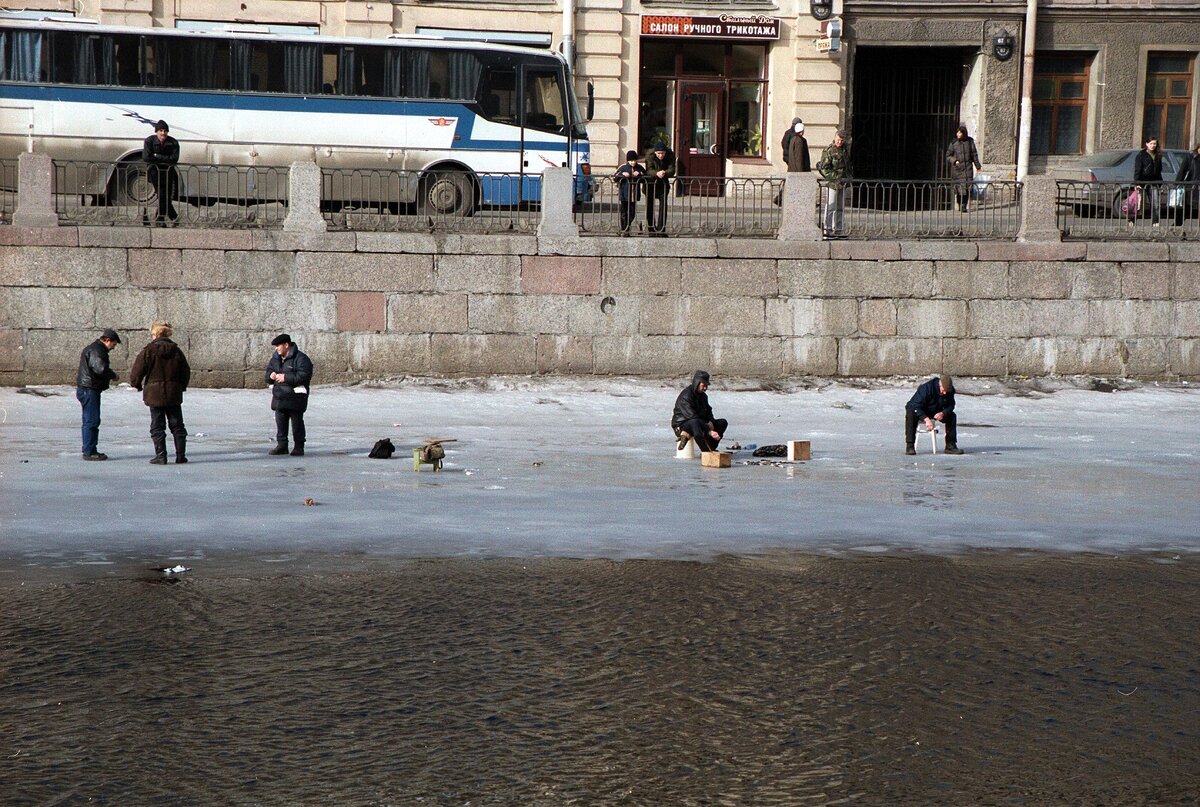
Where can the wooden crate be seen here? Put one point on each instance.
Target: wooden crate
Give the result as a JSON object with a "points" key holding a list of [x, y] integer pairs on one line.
{"points": [[716, 459], [799, 450]]}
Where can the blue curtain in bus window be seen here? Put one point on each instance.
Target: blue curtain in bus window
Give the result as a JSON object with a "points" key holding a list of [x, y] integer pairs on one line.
{"points": [[416, 74], [23, 59], [239, 65], [463, 79], [301, 68]]}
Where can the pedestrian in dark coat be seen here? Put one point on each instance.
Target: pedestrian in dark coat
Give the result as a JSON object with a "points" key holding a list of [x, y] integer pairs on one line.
{"points": [[788, 134], [289, 373], [933, 401], [798, 159], [1189, 201], [93, 378], [964, 162], [660, 166], [693, 417], [1147, 168], [630, 178], [162, 373], [161, 152]]}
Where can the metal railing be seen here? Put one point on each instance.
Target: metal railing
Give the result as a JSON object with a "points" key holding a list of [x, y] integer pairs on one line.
{"points": [[207, 196], [885, 208], [695, 206], [393, 200], [1159, 211], [8, 190]]}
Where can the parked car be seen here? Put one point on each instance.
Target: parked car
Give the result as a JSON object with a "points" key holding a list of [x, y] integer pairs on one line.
{"points": [[1109, 179]]}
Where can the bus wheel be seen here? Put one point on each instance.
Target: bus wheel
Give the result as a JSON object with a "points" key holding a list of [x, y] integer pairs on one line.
{"points": [[447, 193], [131, 185]]}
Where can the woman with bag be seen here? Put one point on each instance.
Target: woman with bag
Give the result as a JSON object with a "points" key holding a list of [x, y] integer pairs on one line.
{"points": [[963, 158], [1147, 168]]}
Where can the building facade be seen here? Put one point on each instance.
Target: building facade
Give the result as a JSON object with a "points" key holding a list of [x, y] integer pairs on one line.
{"points": [[721, 81]]}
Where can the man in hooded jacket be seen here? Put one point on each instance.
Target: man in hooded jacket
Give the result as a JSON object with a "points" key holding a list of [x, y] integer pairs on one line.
{"points": [[693, 417], [162, 373]]}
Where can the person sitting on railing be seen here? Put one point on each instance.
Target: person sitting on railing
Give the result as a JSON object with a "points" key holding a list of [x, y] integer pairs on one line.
{"points": [[161, 152], [1147, 167], [630, 177], [964, 162], [1188, 197], [660, 165]]}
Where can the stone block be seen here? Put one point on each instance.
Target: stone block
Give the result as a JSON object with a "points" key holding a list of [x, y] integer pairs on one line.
{"points": [[53, 266], [217, 379], [716, 459], [1058, 318], [136, 309], [630, 247], [1039, 208], [17, 236], [1033, 252], [1185, 251], [260, 269], [481, 244], [124, 237], [331, 353], [752, 248], [604, 316], [328, 271], [736, 278], [1127, 252], [280, 241], [568, 355], [691, 316], [1185, 358], [12, 349], [156, 268], [477, 273], [975, 357], [939, 251], [642, 276], [391, 354], [1187, 319], [203, 268], [889, 356], [426, 313], [520, 314], [1042, 279], [201, 239], [362, 311], [810, 355], [223, 351], [544, 274], [1096, 281], [59, 349], [396, 243], [1064, 356], [864, 250], [921, 318], [477, 354], [877, 317], [806, 316], [52, 307], [290, 310], [1129, 318], [1146, 281], [855, 279], [998, 318], [1187, 281], [1146, 357], [679, 355], [970, 280]]}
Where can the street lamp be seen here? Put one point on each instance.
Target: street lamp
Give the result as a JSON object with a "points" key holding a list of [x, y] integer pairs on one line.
{"points": [[821, 9], [1003, 45]]}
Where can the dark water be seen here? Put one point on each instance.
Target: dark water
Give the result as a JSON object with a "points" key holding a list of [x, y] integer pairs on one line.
{"points": [[985, 679]]}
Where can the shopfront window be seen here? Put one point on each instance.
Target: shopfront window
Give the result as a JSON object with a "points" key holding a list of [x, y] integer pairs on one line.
{"points": [[746, 119]]}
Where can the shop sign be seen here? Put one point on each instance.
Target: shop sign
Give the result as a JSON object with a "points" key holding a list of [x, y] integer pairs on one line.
{"points": [[726, 26]]}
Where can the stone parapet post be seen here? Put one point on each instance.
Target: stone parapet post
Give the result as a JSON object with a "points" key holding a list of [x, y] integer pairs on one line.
{"points": [[35, 201], [1039, 211], [304, 199], [799, 217], [558, 204]]}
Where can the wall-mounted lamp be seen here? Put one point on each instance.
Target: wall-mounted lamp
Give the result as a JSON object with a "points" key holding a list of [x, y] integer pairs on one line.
{"points": [[821, 9], [1003, 45]]}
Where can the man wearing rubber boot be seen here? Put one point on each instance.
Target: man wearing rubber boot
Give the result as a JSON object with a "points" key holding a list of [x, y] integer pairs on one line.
{"points": [[162, 373], [693, 417], [933, 403], [289, 374]]}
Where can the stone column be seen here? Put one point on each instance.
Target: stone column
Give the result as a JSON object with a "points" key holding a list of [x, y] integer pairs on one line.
{"points": [[35, 201], [558, 204], [304, 199], [799, 217], [1039, 211]]}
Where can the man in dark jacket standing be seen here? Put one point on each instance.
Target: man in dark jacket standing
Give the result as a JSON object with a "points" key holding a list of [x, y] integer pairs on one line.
{"points": [[289, 374], [93, 378], [629, 179], [933, 401], [161, 372], [161, 152], [660, 169], [693, 417]]}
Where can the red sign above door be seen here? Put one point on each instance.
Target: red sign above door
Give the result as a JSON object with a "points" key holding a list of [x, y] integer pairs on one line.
{"points": [[726, 26]]}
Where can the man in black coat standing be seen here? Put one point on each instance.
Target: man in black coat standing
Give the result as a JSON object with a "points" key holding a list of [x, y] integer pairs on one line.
{"points": [[161, 152], [693, 417], [93, 378], [289, 374], [933, 401]]}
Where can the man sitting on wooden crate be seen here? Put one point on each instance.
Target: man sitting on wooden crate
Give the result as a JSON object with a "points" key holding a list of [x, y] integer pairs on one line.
{"points": [[693, 417]]}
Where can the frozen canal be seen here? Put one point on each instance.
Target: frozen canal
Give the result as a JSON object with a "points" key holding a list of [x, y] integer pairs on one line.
{"points": [[586, 468]]}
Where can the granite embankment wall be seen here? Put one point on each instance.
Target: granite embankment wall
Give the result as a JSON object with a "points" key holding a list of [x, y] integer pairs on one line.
{"points": [[371, 305]]}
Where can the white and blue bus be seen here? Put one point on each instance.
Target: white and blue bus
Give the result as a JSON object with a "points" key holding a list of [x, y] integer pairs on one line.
{"points": [[450, 115]]}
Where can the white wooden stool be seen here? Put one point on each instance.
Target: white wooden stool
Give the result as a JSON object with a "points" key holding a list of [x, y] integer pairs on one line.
{"points": [[933, 435]]}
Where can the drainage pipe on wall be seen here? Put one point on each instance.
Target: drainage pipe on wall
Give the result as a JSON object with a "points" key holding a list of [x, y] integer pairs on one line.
{"points": [[568, 34], [1030, 40]]}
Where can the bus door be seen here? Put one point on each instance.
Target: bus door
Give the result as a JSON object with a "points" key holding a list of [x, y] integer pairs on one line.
{"points": [[544, 127]]}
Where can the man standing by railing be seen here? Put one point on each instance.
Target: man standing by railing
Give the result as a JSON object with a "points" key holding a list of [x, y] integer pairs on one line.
{"points": [[660, 166], [834, 167], [161, 152]]}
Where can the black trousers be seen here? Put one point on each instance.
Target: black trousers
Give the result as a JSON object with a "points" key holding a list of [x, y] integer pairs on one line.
{"points": [[628, 211], [656, 205], [166, 182], [911, 419], [698, 429], [284, 417], [163, 416]]}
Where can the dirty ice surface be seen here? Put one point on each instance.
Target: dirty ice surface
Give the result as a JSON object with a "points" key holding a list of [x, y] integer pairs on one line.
{"points": [[586, 468]]}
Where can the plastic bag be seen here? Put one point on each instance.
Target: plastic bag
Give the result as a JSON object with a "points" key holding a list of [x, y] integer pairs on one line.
{"points": [[1175, 198], [979, 186], [1132, 204]]}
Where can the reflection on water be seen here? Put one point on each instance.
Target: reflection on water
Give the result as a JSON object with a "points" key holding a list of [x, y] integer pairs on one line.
{"points": [[780, 681], [929, 487]]}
